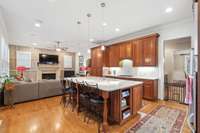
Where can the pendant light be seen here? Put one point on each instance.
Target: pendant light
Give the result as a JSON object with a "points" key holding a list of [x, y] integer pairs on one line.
{"points": [[103, 5], [79, 24], [88, 16]]}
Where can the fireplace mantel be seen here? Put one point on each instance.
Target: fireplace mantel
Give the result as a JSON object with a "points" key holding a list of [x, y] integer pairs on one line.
{"points": [[45, 68]]}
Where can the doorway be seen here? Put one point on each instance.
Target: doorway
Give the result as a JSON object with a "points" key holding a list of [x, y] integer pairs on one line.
{"points": [[175, 67]]}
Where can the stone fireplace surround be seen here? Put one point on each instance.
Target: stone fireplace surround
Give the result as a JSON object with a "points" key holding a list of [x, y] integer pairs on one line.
{"points": [[48, 69]]}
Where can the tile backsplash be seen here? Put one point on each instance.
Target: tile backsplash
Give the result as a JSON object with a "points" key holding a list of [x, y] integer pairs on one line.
{"points": [[133, 71]]}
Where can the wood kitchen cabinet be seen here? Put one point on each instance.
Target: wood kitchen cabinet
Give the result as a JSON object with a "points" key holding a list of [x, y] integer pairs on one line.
{"points": [[133, 102], [98, 60], [137, 53], [114, 56], [145, 51], [125, 50], [150, 47], [150, 89]]}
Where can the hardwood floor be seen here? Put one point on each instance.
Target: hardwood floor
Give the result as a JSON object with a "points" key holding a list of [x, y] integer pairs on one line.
{"points": [[48, 116]]}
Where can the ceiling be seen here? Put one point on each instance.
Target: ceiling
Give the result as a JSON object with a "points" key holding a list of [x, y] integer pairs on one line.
{"points": [[59, 19]]}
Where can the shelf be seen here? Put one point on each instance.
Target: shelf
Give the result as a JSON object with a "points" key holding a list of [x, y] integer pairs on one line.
{"points": [[126, 114], [125, 93], [124, 108]]}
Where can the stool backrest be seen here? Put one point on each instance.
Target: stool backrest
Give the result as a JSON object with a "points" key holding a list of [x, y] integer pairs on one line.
{"points": [[92, 88]]}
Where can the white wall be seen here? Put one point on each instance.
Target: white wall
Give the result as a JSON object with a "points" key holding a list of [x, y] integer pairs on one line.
{"points": [[174, 64], [4, 51], [170, 31]]}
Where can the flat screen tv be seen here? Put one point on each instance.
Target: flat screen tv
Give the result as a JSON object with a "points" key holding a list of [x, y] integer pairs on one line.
{"points": [[48, 59]]}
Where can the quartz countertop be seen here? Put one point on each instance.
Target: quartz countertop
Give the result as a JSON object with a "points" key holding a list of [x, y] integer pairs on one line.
{"points": [[133, 77], [107, 84]]}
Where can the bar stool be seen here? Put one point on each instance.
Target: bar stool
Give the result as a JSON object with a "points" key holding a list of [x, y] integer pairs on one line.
{"points": [[69, 94], [84, 99], [73, 94], [65, 95], [95, 103]]}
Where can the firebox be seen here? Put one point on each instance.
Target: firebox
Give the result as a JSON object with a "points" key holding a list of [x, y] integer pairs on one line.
{"points": [[48, 76]]}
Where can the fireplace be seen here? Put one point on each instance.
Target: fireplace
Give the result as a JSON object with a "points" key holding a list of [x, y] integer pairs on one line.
{"points": [[48, 76]]}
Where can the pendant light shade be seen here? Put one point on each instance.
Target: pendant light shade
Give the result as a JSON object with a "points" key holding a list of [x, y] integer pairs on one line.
{"points": [[103, 48], [89, 51], [103, 5]]}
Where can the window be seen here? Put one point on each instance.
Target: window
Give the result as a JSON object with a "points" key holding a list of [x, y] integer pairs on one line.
{"points": [[67, 61], [23, 59], [4, 57]]}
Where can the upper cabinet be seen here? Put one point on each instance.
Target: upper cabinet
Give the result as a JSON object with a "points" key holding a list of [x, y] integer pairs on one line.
{"points": [[150, 51], [137, 52], [125, 50], [98, 60], [145, 51], [114, 56]]}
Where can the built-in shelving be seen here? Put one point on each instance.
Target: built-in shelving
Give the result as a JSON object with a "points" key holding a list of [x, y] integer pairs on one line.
{"points": [[125, 103]]}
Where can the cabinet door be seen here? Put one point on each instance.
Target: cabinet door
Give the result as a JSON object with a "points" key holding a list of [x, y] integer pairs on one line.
{"points": [[99, 58], [99, 71], [93, 71], [93, 57], [126, 50], [122, 51], [114, 56], [136, 99], [150, 51], [148, 91], [137, 53]]}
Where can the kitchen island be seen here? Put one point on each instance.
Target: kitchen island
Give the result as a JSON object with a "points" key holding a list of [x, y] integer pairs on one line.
{"points": [[122, 98]]}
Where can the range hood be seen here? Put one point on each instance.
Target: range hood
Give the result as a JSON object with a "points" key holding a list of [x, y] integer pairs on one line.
{"points": [[126, 67]]}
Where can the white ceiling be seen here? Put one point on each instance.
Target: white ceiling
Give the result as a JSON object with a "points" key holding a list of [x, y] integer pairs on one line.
{"points": [[59, 19]]}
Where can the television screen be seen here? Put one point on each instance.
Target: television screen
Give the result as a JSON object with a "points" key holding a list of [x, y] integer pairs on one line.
{"points": [[48, 59]]}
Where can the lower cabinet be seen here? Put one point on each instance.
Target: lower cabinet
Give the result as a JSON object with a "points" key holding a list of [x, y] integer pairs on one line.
{"points": [[125, 103], [150, 89], [96, 71]]}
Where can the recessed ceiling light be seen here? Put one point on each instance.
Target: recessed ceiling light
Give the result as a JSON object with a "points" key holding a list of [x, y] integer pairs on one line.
{"points": [[117, 29], [58, 49], [91, 40], [168, 9], [79, 53], [89, 51], [37, 24], [35, 44], [104, 24]]}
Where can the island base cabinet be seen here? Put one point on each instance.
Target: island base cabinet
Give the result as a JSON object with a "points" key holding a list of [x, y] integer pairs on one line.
{"points": [[137, 99], [124, 104]]}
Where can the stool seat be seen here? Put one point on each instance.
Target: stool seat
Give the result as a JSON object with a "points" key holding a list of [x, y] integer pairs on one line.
{"points": [[84, 95], [70, 90], [96, 101]]}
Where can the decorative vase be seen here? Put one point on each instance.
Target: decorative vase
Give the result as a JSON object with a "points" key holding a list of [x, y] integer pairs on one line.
{"points": [[9, 86]]}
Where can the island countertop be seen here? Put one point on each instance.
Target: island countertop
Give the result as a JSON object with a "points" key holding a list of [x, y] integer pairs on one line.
{"points": [[106, 84]]}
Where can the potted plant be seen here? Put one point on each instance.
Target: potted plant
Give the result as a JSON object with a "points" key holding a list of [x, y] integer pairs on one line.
{"points": [[7, 84]]}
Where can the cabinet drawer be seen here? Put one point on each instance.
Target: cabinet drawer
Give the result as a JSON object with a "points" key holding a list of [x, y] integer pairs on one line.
{"points": [[148, 83]]}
